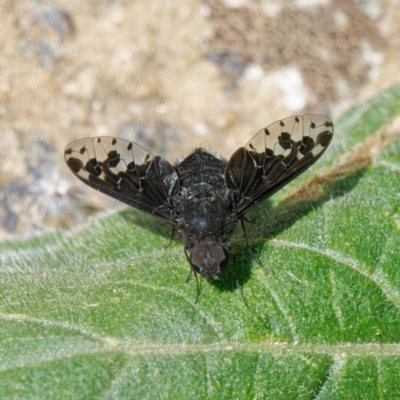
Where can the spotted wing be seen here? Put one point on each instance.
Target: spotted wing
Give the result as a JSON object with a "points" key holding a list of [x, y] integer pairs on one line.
{"points": [[126, 172], [275, 156]]}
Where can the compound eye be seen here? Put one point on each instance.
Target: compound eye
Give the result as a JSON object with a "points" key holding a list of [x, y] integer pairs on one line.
{"points": [[197, 257], [220, 255]]}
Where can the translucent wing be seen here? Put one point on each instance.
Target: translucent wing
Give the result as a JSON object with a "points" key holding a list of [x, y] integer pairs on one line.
{"points": [[126, 172], [275, 156]]}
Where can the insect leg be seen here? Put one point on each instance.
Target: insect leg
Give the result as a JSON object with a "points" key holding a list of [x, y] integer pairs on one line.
{"points": [[198, 287], [195, 275], [190, 275], [172, 237]]}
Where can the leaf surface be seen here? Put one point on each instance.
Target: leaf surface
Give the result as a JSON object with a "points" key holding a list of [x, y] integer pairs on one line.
{"points": [[104, 312]]}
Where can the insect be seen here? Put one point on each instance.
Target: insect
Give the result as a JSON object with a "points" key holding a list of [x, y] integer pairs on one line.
{"points": [[203, 196]]}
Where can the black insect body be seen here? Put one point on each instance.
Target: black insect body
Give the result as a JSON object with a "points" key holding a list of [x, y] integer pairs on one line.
{"points": [[202, 196], [205, 212]]}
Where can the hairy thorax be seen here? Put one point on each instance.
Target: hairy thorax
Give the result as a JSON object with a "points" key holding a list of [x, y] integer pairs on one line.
{"points": [[206, 219], [205, 210]]}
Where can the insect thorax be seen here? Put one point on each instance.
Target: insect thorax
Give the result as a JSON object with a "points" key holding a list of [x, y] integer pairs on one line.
{"points": [[205, 207], [206, 219]]}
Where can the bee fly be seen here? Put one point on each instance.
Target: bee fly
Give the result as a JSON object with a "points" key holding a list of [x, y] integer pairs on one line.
{"points": [[203, 196]]}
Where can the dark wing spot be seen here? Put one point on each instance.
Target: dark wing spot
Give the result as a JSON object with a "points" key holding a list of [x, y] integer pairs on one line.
{"points": [[285, 136], [284, 140], [130, 145], [82, 150], [131, 166], [114, 141], [266, 131], [297, 119], [113, 159], [281, 123], [307, 144], [68, 151], [269, 153], [92, 167], [312, 125], [285, 145], [252, 147], [113, 163], [75, 164], [324, 138], [113, 155], [98, 140], [328, 124]]}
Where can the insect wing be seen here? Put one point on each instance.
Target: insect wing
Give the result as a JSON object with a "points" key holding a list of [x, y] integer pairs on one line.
{"points": [[275, 156], [125, 171]]}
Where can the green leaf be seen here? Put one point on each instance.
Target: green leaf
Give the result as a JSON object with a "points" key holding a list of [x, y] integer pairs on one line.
{"points": [[104, 312]]}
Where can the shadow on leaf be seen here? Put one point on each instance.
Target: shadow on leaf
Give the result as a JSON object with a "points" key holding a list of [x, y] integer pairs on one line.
{"points": [[269, 222]]}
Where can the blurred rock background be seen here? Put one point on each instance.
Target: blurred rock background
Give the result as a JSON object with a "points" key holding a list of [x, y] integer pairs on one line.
{"points": [[172, 76]]}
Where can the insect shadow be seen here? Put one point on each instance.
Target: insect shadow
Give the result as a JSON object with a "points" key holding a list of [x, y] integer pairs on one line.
{"points": [[300, 204]]}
